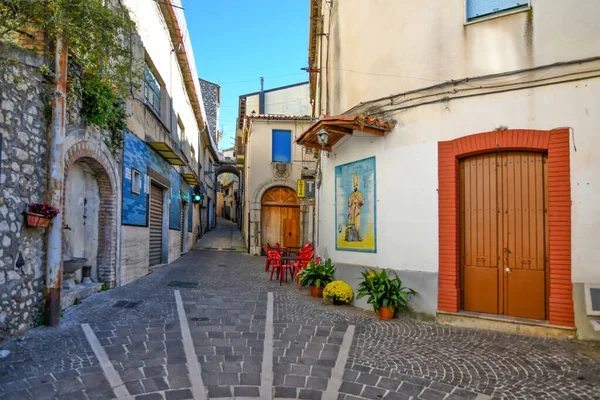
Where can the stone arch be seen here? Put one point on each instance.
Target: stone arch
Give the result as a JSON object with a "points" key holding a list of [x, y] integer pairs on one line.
{"points": [[265, 186], [228, 168], [92, 156]]}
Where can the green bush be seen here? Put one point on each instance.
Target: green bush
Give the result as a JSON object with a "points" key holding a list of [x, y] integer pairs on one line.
{"points": [[317, 274], [382, 290]]}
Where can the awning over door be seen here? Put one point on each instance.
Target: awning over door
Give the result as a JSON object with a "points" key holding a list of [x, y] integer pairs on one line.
{"points": [[341, 125]]}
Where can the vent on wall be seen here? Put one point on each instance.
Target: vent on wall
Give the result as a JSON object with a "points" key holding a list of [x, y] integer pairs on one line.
{"points": [[592, 299]]}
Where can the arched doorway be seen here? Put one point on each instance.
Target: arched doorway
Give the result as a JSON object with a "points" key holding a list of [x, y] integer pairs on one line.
{"points": [[89, 218], [280, 217]]}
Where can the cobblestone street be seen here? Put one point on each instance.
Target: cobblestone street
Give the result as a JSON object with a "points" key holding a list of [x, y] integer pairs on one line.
{"points": [[212, 324]]}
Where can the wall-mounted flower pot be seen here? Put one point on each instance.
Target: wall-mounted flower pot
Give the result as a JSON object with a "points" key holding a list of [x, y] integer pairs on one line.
{"points": [[316, 291], [37, 220], [386, 313]]}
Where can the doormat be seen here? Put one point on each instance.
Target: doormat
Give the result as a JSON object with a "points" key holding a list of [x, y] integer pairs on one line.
{"points": [[181, 284], [127, 304]]}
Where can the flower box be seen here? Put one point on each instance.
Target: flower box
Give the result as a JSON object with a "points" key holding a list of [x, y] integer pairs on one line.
{"points": [[37, 220]]}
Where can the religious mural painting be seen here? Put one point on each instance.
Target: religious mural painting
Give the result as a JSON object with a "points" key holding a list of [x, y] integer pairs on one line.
{"points": [[355, 209]]}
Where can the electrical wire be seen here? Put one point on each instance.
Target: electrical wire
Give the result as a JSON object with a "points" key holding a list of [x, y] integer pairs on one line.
{"points": [[266, 77]]}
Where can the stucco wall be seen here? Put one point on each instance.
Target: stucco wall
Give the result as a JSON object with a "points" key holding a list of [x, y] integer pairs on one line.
{"points": [[259, 170], [157, 43], [174, 245], [404, 47], [135, 249], [407, 210]]}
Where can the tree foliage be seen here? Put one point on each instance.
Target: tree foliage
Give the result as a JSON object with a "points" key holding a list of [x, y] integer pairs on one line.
{"points": [[100, 34]]}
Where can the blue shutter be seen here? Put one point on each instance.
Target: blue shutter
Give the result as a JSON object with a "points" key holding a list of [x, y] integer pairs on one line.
{"points": [[478, 8], [282, 146]]}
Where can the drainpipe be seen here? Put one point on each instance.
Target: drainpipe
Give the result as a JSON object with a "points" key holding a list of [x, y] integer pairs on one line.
{"points": [[261, 97], [54, 265]]}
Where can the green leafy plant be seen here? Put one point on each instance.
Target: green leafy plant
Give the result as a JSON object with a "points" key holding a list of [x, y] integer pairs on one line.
{"points": [[339, 291], [76, 302], [317, 274], [383, 289], [104, 287], [102, 106]]}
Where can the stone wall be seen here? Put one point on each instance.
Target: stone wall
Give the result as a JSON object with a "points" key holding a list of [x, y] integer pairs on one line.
{"points": [[22, 180]]}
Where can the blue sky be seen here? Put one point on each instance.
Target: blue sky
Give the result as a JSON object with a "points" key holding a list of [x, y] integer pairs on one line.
{"points": [[237, 41]]}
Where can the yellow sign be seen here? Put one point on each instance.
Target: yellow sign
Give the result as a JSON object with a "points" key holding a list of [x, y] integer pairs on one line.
{"points": [[300, 188]]}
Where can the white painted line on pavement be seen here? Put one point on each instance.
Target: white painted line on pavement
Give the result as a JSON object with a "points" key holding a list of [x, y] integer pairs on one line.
{"points": [[113, 377], [266, 377], [335, 382], [198, 390]]}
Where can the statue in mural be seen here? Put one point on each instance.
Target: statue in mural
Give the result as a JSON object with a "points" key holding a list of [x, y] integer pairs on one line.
{"points": [[356, 201]]}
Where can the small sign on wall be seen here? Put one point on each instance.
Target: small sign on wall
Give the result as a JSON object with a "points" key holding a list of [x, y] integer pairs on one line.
{"points": [[309, 188], [300, 188], [127, 173]]}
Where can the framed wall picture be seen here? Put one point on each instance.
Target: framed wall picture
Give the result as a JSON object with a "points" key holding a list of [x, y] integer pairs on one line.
{"points": [[355, 206]]}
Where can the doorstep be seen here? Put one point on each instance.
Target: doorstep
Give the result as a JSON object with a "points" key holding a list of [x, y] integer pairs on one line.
{"points": [[506, 324], [79, 292]]}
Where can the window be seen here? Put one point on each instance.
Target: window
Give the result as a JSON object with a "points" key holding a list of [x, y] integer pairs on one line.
{"points": [[282, 146], [151, 90], [180, 130], [481, 8], [136, 181]]}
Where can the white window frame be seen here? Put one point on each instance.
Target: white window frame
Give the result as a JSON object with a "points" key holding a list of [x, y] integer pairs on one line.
{"points": [[136, 181], [499, 14], [149, 91]]}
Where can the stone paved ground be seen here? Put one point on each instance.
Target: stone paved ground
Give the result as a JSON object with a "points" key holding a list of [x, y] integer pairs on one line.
{"points": [[224, 295], [226, 236]]}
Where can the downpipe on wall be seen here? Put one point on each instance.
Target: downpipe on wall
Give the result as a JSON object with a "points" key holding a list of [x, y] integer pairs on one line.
{"points": [[54, 267]]}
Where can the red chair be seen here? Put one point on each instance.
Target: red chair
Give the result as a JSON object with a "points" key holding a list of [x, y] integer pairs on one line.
{"points": [[276, 264]]}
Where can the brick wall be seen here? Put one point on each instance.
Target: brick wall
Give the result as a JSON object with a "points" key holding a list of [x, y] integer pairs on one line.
{"points": [[92, 156], [556, 144]]}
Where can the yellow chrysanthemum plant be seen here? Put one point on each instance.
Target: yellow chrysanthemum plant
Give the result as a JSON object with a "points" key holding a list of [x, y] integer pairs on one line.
{"points": [[339, 291]]}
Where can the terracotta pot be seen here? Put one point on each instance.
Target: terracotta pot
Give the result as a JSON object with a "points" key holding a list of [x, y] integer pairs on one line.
{"points": [[316, 291], [386, 313], [34, 220]]}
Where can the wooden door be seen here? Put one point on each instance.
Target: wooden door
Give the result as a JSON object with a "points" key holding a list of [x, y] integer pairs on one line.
{"points": [[479, 214], [290, 222], [523, 234], [271, 225], [502, 197], [280, 217], [156, 213]]}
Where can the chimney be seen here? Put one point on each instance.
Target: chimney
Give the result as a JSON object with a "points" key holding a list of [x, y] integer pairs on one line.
{"points": [[261, 97]]}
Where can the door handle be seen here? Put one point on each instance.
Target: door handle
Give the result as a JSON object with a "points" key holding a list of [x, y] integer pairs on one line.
{"points": [[506, 250]]}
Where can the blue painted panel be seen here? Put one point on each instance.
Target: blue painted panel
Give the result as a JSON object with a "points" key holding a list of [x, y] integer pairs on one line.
{"points": [[135, 155], [282, 146], [478, 8], [175, 206], [139, 156]]}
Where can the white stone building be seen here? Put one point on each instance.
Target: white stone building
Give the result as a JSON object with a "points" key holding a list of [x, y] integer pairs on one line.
{"points": [[481, 116]]}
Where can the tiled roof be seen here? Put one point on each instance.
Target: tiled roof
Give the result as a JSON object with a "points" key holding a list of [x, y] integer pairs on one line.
{"points": [[341, 125], [281, 117]]}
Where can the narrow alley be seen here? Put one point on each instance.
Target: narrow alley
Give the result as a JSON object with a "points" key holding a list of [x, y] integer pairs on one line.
{"points": [[212, 325], [226, 236]]}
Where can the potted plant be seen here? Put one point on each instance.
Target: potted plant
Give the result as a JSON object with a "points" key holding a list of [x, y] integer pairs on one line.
{"points": [[317, 276], [40, 214], [385, 292], [339, 291]]}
